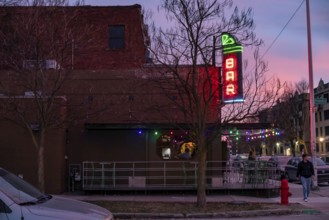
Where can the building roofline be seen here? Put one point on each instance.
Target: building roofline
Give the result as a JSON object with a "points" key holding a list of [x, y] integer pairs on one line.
{"points": [[168, 126], [72, 6]]}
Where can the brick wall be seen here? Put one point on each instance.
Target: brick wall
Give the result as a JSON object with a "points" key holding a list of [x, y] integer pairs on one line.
{"points": [[76, 37]]}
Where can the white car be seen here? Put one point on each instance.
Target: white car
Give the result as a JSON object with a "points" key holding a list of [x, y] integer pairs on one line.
{"points": [[20, 200]]}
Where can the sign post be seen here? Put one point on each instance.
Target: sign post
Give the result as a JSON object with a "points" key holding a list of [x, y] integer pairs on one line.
{"points": [[320, 101]]}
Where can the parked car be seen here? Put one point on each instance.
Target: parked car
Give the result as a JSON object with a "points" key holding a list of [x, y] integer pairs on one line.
{"points": [[20, 200], [279, 163], [238, 162], [322, 169]]}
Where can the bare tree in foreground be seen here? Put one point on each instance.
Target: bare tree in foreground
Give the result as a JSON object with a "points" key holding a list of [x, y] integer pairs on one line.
{"points": [[179, 52], [35, 50]]}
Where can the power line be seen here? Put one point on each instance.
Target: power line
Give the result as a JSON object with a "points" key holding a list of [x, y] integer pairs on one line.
{"points": [[284, 27]]}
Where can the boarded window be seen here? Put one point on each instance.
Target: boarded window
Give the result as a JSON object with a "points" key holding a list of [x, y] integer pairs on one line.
{"points": [[116, 36]]}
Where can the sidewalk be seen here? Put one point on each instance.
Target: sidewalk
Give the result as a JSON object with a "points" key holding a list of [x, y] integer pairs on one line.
{"points": [[318, 200], [317, 203]]}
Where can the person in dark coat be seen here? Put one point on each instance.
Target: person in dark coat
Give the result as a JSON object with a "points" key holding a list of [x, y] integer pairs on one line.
{"points": [[305, 172], [251, 167], [186, 155]]}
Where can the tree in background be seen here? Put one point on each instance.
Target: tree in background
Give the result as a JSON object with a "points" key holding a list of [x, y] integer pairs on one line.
{"points": [[184, 56], [290, 114]]}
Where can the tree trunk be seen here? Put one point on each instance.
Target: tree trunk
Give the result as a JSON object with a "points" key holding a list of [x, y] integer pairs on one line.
{"points": [[41, 162], [201, 194]]}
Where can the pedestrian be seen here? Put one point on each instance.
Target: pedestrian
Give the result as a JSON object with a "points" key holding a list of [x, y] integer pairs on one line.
{"points": [[186, 155], [305, 172], [251, 156], [251, 167]]}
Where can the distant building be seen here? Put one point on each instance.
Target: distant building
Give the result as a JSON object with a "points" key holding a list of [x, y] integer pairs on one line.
{"points": [[321, 96], [292, 116]]}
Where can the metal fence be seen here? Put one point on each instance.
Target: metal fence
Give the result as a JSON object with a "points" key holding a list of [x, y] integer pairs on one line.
{"points": [[178, 175]]}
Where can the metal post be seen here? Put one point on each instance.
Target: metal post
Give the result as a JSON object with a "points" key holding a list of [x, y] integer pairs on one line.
{"points": [[311, 98]]}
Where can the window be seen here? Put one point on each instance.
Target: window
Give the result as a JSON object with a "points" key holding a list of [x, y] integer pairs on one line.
{"points": [[326, 131], [116, 36], [317, 132], [320, 116], [326, 114], [321, 131], [326, 96], [327, 146], [175, 147]]}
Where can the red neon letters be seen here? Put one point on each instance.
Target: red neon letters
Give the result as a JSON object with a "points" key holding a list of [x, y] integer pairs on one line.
{"points": [[230, 76]]}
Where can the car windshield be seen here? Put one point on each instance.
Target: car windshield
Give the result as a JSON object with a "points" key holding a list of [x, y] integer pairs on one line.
{"points": [[18, 190], [320, 162]]}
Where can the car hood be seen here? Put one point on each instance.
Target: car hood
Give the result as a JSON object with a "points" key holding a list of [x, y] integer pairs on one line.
{"points": [[63, 208], [324, 167]]}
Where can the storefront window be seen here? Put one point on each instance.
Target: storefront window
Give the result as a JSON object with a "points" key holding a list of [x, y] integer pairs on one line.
{"points": [[175, 148]]}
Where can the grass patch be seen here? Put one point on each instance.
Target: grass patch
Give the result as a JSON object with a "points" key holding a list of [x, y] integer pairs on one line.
{"points": [[185, 207]]}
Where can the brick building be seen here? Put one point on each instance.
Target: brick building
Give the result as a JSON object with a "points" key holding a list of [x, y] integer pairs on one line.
{"points": [[98, 57]]}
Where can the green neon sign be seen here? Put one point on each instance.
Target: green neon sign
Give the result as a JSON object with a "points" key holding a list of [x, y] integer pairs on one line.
{"points": [[233, 49], [227, 40], [229, 44]]}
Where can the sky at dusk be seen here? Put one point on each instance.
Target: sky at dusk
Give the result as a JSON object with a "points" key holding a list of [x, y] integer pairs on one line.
{"points": [[287, 58]]}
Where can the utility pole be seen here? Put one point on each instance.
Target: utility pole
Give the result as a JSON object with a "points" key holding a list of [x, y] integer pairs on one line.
{"points": [[311, 98]]}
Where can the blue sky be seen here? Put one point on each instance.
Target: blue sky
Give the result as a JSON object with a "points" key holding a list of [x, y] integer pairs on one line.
{"points": [[287, 58]]}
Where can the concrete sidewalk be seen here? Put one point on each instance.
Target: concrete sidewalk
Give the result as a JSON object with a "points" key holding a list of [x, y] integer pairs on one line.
{"points": [[317, 202]]}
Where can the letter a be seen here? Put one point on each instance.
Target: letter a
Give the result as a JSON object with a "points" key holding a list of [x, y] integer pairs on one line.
{"points": [[230, 76]]}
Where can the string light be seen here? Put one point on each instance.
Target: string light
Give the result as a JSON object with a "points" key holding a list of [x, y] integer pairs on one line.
{"points": [[254, 134]]}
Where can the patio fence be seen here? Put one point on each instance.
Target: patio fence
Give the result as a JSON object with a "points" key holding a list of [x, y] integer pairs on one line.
{"points": [[178, 175]]}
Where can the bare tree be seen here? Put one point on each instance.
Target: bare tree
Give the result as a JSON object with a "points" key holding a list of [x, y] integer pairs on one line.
{"points": [[35, 51], [302, 86], [290, 114], [185, 57], [11, 2]]}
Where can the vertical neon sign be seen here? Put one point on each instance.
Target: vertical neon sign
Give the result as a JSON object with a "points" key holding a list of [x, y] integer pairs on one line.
{"points": [[232, 69]]}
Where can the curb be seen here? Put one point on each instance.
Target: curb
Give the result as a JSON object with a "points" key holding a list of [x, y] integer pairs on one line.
{"points": [[239, 214]]}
